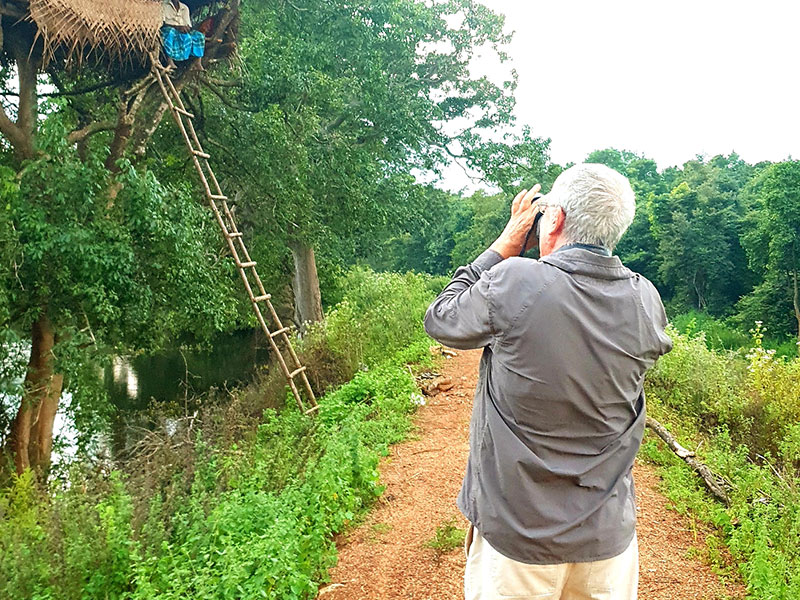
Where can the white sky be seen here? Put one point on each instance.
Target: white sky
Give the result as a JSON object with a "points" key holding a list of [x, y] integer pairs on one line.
{"points": [[667, 79]]}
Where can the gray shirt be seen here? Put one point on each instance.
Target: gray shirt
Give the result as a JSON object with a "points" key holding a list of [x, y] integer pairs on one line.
{"points": [[559, 410]]}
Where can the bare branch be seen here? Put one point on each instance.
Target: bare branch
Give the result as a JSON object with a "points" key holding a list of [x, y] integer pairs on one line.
{"points": [[716, 484]]}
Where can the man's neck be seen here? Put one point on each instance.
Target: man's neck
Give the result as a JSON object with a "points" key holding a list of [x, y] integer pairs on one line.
{"points": [[602, 250]]}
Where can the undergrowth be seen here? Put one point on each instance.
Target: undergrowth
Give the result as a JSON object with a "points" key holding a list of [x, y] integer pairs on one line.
{"points": [[742, 417], [244, 507]]}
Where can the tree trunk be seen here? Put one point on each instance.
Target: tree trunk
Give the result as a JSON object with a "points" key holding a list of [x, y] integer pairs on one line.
{"points": [[31, 440], [305, 285], [22, 133]]}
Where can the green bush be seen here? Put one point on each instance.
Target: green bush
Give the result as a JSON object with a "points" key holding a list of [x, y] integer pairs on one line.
{"points": [[743, 416], [253, 517], [378, 315]]}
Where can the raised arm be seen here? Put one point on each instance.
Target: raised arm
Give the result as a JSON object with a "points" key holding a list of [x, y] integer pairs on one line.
{"points": [[461, 317]]}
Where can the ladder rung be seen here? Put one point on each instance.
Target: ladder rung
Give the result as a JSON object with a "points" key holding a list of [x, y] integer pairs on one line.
{"points": [[312, 409], [234, 234], [184, 112], [277, 333], [217, 196], [247, 265], [201, 154], [296, 372], [262, 298]]}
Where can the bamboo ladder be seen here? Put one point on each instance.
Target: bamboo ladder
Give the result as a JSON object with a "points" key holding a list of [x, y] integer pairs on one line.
{"points": [[245, 265]]}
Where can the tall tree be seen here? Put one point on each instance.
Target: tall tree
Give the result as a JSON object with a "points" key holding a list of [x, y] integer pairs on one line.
{"points": [[773, 242], [345, 100], [697, 227], [102, 255]]}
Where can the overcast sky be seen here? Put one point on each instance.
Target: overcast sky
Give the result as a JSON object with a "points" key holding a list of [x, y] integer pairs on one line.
{"points": [[667, 79]]}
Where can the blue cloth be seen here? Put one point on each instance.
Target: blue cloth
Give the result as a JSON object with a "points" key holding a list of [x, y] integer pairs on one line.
{"points": [[180, 46]]}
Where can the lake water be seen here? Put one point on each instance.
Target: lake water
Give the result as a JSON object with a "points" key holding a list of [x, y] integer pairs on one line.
{"points": [[233, 359], [175, 379], [171, 378]]}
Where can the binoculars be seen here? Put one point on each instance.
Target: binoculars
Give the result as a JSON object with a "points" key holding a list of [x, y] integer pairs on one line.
{"points": [[534, 231]]}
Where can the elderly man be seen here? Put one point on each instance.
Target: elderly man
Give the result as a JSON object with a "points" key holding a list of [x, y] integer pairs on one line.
{"points": [[180, 41], [559, 412]]}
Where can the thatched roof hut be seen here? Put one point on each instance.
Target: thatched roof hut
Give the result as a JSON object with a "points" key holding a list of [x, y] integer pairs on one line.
{"points": [[119, 30]]}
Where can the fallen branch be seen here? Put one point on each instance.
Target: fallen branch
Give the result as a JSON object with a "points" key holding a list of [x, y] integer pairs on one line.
{"points": [[715, 483]]}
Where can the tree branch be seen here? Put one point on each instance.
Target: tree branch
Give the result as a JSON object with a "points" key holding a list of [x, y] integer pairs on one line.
{"points": [[22, 133], [81, 134], [224, 82], [9, 129], [224, 100], [715, 483]]}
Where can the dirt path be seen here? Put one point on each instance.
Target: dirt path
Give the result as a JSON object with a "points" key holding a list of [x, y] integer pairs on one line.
{"points": [[386, 557]]}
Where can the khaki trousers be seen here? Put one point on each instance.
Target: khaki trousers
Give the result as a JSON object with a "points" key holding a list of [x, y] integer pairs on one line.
{"points": [[491, 576]]}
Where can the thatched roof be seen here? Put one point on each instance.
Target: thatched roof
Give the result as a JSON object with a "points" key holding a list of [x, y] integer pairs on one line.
{"points": [[121, 29]]}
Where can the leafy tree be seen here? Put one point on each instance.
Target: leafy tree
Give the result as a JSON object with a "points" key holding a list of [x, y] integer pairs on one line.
{"points": [[696, 226], [102, 256], [344, 101], [489, 216], [428, 246], [87, 278], [773, 243]]}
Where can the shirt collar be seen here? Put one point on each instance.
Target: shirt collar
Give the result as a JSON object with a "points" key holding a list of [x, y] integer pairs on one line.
{"points": [[601, 250], [587, 261]]}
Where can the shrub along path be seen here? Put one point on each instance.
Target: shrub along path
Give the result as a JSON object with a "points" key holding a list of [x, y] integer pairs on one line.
{"points": [[387, 557]]}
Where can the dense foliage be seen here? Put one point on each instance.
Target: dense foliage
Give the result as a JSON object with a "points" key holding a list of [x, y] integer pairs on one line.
{"points": [[716, 235], [249, 513]]}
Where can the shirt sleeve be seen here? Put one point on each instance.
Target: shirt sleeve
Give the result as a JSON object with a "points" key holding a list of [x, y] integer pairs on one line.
{"points": [[655, 310], [461, 317]]}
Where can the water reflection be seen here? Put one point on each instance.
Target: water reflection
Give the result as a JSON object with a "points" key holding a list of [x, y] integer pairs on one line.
{"points": [[175, 378], [132, 384], [172, 378]]}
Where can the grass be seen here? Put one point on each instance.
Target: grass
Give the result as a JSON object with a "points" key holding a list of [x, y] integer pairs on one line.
{"points": [[719, 334]]}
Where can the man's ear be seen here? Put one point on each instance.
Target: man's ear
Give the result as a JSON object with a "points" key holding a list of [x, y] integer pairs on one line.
{"points": [[558, 219]]}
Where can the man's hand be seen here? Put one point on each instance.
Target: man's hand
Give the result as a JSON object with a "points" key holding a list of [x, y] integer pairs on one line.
{"points": [[522, 214]]}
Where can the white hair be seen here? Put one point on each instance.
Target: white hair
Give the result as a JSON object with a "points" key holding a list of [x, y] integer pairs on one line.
{"points": [[598, 202]]}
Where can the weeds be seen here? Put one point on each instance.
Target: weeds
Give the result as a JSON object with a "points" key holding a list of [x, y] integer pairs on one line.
{"points": [[447, 538], [741, 415]]}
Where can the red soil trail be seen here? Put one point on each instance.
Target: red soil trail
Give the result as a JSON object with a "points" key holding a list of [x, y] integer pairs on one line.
{"points": [[386, 557]]}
